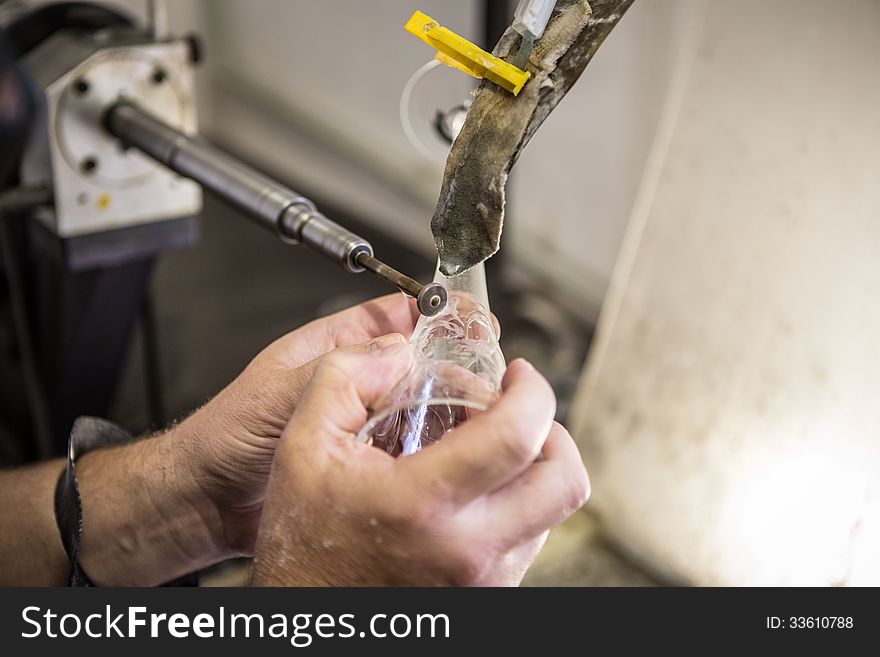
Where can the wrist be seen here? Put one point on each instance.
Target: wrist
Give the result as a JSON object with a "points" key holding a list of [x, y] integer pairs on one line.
{"points": [[227, 501], [146, 518], [195, 455]]}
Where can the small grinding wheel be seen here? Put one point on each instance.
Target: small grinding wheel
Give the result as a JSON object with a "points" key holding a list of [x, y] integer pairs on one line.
{"points": [[432, 299]]}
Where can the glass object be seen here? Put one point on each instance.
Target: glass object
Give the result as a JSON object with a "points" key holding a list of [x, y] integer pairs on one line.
{"points": [[456, 371]]}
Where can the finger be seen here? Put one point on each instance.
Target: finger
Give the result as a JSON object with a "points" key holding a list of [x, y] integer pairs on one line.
{"points": [[543, 496], [511, 567], [497, 326], [346, 383], [292, 383], [494, 447], [393, 313]]}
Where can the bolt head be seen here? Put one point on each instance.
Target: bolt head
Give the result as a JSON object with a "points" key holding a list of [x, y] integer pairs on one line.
{"points": [[88, 165]]}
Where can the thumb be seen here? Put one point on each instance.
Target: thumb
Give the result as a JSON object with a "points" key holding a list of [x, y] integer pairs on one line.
{"points": [[348, 382], [293, 383]]}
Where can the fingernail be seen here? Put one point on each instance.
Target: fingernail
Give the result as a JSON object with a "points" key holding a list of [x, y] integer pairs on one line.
{"points": [[387, 343]]}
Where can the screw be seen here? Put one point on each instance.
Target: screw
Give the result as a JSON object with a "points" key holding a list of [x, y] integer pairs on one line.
{"points": [[89, 165], [81, 87]]}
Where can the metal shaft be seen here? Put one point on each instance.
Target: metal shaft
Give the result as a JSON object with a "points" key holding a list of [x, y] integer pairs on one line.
{"points": [[274, 206], [430, 298]]}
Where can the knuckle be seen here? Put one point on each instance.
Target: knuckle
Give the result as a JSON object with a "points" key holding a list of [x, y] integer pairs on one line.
{"points": [[334, 369], [547, 397], [535, 390], [577, 489], [522, 428], [559, 428], [422, 516], [441, 494], [468, 567], [335, 361], [517, 445], [432, 500], [413, 515]]}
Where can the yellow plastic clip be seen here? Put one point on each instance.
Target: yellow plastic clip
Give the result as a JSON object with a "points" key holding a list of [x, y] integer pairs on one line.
{"points": [[463, 55]]}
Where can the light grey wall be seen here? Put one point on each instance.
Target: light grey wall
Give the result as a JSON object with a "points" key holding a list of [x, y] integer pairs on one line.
{"points": [[729, 415]]}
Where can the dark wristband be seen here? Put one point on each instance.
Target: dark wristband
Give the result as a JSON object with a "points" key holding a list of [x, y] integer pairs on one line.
{"points": [[88, 433]]}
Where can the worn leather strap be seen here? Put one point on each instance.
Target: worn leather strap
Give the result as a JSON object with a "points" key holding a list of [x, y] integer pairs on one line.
{"points": [[88, 433]]}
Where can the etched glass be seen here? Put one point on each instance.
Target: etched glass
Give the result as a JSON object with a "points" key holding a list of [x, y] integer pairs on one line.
{"points": [[456, 371]]}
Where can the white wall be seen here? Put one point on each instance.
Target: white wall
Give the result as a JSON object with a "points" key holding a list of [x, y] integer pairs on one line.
{"points": [[729, 415]]}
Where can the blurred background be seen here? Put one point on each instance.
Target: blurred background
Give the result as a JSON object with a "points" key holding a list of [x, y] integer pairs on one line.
{"points": [[689, 254]]}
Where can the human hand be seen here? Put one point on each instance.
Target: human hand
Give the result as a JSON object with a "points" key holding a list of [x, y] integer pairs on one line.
{"points": [[230, 442], [471, 510]]}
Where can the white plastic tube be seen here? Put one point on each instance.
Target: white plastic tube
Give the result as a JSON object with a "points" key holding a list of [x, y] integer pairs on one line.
{"points": [[532, 16]]}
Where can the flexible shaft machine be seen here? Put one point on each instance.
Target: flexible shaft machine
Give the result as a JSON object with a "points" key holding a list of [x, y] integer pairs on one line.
{"points": [[104, 174], [119, 99]]}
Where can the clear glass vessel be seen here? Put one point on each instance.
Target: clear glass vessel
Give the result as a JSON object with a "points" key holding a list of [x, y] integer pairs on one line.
{"points": [[456, 371]]}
